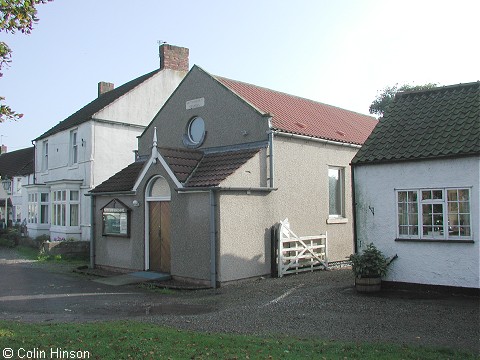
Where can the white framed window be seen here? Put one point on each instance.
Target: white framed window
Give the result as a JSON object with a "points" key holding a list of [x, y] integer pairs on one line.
{"points": [[44, 166], [434, 214], [336, 192], [32, 216], [44, 205], [195, 132], [73, 147], [66, 207], [74, 207], [59, 206]]}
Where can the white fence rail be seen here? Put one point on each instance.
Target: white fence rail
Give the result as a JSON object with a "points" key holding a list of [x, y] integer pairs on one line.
{"points": [[297, 254]]}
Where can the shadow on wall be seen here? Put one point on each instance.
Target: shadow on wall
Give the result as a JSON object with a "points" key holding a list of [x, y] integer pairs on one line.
{"points": [[236, 267]]}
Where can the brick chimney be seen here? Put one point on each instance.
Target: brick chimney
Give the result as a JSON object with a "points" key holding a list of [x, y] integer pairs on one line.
{"points": [[104, 87], [173, 57], [3, 149]]}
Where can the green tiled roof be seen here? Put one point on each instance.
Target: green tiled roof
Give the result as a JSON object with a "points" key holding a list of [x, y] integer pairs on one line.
{"points": [[434, 123]]}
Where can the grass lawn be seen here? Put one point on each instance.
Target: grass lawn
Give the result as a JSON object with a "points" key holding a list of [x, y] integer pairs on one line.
{"points": [[134, 340]]}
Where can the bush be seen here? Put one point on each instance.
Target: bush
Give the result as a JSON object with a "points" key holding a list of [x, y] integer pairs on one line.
{"points": [[371, 263], [13, 235], [6, 242]]}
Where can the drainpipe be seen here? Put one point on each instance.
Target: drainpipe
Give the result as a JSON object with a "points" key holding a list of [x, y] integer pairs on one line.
{"points": [[213, 240], [272, 162], [34, 161], [354, 210], [92, 232]]}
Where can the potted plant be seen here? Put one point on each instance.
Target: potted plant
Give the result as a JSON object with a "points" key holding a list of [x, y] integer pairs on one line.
{"points": [[369, 267]]}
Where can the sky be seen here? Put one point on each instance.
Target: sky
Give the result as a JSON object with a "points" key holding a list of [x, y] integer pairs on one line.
{"points": [[338, 52]]}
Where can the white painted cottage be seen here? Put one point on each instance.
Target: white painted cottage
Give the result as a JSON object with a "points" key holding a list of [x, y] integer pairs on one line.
{"points": [[16, 171], [416, 187], [94, 143]]}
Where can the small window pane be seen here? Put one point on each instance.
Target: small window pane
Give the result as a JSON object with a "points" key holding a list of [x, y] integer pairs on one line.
{"points": [[74, 215], [44, 197], [426, 195], [463, 195], [437, 194], [464, 219], [412, 196], [452, 207], [413, 219], [44, 214], [464, 207], [74, 195], [452, 195], [403, 230], [437, 208], [413, 208]]}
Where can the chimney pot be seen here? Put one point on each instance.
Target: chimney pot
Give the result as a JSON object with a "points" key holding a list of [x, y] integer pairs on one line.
{"points": [[104, 87], [3, 149]]}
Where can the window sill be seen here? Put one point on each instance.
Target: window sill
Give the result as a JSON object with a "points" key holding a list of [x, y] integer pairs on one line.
{"points": [[337, 220], [437, 241]]}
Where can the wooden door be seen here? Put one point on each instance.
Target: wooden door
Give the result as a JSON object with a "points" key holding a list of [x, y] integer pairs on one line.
{"points": [[159, 240]]}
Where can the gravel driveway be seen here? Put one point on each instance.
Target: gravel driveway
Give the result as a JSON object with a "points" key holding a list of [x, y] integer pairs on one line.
{"points": [[322, 304]]}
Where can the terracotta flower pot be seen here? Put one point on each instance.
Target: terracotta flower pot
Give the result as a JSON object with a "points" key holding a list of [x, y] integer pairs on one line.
{"points": [[368, 285]]}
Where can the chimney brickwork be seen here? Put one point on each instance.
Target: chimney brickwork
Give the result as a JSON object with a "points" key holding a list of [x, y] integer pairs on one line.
{"points": [[3, 149], [173, 57], [104, 87]]}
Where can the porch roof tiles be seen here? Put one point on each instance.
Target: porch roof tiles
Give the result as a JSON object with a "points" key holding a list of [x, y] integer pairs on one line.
{"points": [[193, 168], [182, 161], [122, 181], [216, 167]]}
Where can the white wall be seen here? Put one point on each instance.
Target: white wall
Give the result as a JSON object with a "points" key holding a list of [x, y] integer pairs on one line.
{"points": [[106, 143], [140, 105], [435, 263]]}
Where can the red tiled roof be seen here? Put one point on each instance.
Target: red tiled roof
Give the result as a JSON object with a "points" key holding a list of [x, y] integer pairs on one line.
{"points": [[297, 115]]}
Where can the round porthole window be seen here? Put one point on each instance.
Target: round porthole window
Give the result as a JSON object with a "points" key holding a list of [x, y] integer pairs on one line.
{"points": [[196, 130]]}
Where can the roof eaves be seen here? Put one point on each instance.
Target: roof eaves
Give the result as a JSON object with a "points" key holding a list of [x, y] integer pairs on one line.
{"points": [[412, 159]]}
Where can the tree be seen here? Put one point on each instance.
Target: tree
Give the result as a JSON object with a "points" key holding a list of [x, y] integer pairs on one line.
{"points": [[15, 15], [386, 96]]}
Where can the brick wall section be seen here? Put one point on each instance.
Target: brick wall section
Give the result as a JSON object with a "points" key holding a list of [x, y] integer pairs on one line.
{"points": [[173, 57]]}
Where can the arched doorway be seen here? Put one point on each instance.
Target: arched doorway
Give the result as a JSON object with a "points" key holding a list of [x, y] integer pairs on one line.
{"points": [[157, 227]]}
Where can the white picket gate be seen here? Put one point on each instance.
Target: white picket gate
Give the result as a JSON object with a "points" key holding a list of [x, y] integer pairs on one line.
{"points": [[297, 254]]}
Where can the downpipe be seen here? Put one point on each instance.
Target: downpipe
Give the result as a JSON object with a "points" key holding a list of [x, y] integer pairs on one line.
{"points": [[213, 240]]}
